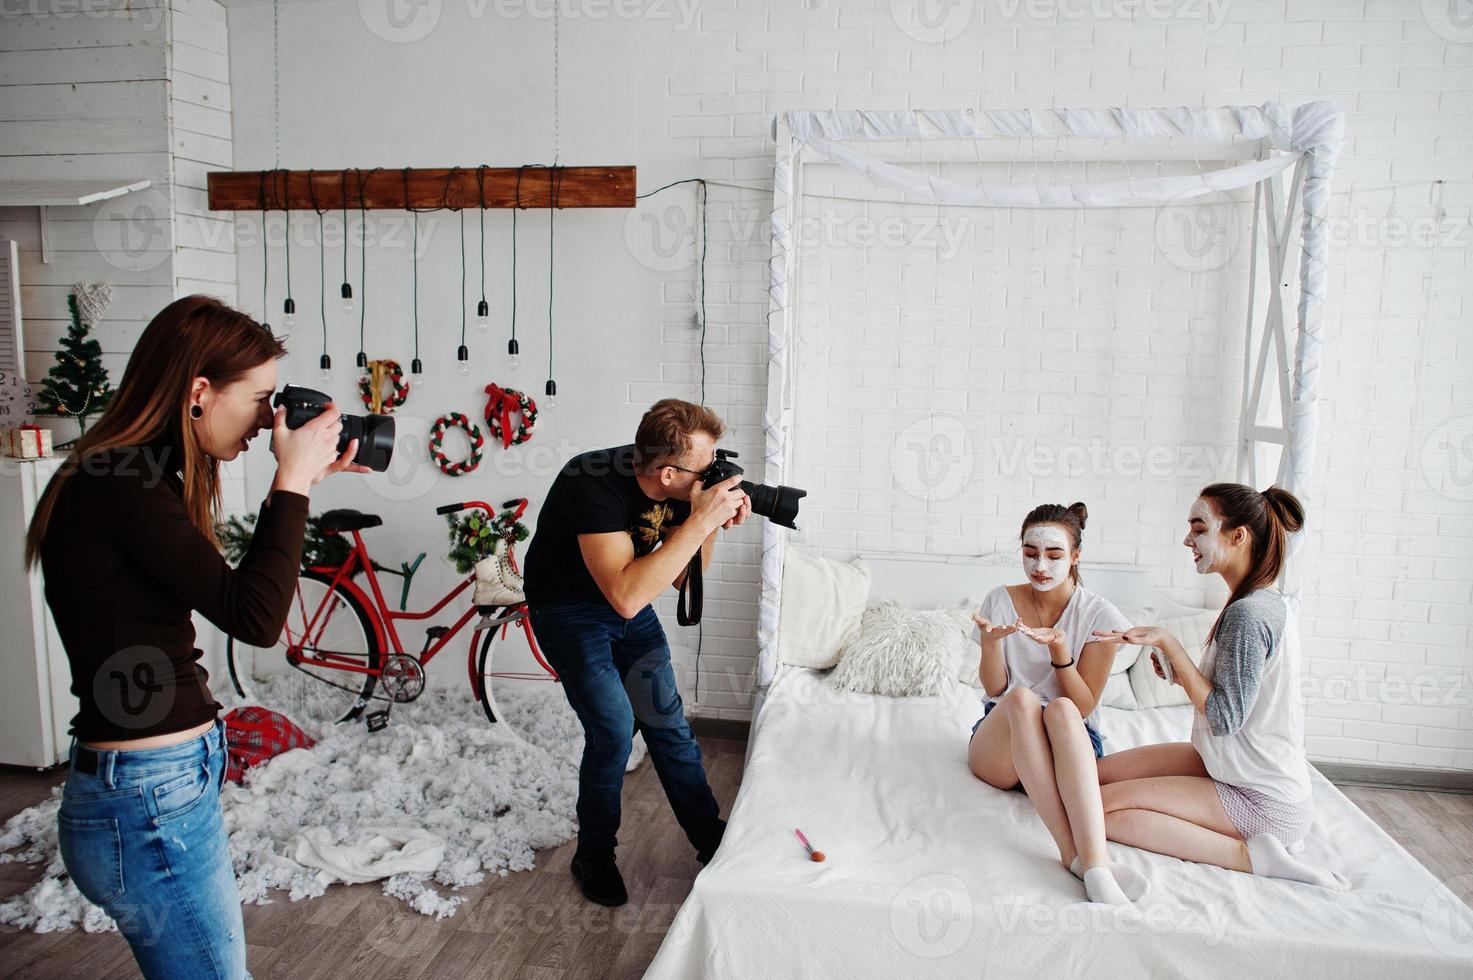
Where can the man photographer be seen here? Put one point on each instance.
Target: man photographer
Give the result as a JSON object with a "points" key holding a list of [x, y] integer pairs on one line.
{"points": [[619, 526]]}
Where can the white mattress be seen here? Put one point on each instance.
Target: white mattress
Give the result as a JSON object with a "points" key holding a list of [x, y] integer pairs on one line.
{"points": [[932, 873]]}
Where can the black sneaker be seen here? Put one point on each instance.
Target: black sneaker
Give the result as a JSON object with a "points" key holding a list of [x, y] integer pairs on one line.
{"points": [[598, 876]]}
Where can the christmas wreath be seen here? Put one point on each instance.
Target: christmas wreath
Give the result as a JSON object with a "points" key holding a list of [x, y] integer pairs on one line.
{"points": [[442, 425], [371, 386], [500, 405]]}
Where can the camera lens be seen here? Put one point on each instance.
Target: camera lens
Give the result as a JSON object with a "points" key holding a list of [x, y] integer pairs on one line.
{"points": [[778, 504], [375, 435]]}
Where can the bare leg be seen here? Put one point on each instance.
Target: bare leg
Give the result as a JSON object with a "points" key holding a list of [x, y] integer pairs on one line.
{"points": [[1176, 815], [1166, 759], [990, 753], [1033, 758], [1076, 784]]}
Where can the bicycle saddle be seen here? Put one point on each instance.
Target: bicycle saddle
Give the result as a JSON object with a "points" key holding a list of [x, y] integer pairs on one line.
{"points": [[348, 520]]}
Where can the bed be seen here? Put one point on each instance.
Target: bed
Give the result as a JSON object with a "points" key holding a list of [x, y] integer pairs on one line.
{"points": [[931, 873]]}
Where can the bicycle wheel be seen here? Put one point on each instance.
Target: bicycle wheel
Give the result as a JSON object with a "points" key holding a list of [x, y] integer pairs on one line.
{"points": [[486, 673], [328, 676]]}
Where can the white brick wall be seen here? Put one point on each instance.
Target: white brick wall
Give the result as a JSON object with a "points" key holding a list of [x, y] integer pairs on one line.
{"points": [[1390, 582]]}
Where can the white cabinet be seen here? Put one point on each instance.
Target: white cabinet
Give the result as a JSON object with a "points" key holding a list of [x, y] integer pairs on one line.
{"points": [[36, 702]]}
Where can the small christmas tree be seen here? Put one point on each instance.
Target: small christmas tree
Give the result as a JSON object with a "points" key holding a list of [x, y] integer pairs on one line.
{"points": [[77, 385]]}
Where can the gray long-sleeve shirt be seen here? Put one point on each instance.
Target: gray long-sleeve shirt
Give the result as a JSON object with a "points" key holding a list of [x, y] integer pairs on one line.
{"points": [[1246, 635]]}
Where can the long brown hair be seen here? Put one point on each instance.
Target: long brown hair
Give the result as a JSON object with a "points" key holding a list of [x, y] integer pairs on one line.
{"points": [[192, 337], [1072, 517], [1269, 517]]}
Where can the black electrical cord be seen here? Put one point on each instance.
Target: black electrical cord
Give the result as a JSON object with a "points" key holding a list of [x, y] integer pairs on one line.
{"points": [[481, 199], [700, 626], [363, 260], [265, 258], [287, 214], [701, 324], [321, 261], [554, 183]]}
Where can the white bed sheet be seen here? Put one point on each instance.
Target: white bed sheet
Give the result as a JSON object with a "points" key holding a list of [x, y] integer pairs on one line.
{"points": [[932, 873]]}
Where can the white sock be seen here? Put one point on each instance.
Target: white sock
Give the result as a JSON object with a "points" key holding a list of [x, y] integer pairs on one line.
{"points": [[1272, 859], [1100, 885], [1131, 881]]}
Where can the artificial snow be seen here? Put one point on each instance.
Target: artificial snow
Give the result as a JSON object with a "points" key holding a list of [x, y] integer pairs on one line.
{"points": [[438, 798]]}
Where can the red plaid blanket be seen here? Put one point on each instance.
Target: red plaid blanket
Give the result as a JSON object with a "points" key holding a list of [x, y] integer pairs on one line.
{"points": [[253, 735]]}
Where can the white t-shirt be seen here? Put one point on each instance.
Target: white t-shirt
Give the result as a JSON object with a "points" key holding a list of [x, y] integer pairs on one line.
{"points": [[1266, 753], [1027, 661]]}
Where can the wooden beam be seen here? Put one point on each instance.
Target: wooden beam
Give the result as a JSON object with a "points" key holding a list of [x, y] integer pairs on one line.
{"points": [[453, 187]]}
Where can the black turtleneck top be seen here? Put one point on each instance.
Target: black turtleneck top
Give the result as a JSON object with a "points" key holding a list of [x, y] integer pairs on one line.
{"points": [[124, 567]]}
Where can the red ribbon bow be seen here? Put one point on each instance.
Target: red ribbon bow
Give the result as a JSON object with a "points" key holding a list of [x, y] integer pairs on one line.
{"points": [[502, 403]]}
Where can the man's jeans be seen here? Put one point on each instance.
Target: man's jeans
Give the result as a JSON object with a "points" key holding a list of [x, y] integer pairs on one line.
{"points": [[616, 674]]}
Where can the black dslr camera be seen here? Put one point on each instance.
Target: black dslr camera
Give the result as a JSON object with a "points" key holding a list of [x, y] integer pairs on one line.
{"points": [[778, 504], [375, 433]]}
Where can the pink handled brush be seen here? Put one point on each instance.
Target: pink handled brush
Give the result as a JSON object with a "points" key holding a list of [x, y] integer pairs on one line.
{"points": [[812, 854]]}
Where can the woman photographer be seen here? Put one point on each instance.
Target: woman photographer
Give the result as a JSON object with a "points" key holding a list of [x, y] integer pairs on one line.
{"points": [[125, 536]]}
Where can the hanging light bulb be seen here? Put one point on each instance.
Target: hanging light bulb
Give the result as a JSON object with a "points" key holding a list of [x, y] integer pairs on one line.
{"points": [[550, 391], [362, 360], [483, 315], [464, 357], [347, 292], [289, 309], [326, 365], [417, 368], [514, 361]]}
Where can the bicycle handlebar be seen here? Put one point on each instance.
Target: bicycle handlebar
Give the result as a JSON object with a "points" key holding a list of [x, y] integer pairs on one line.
{"points": [[519, 504]]}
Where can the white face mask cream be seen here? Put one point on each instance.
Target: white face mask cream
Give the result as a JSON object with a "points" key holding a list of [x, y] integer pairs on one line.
{"points": [[1204, 537], [1046, 550]]}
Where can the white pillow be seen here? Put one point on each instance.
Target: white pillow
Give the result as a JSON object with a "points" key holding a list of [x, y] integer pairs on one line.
{"points": [[905, 652], [1150, 690], [822, 604], [1118, 693]]}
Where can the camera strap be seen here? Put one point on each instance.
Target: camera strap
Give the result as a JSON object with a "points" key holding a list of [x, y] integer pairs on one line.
{"points": [[693, 583]]}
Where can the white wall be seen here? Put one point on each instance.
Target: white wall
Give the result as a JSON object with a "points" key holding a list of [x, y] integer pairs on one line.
{"points": [[1390, 582]]}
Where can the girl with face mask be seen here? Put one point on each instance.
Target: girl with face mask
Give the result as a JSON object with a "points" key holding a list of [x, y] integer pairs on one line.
{"points": [[1238, 794], [1044, 670]]}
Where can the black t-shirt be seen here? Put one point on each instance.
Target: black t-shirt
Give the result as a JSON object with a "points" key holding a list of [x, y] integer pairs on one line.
{"points": [[595, 492]]}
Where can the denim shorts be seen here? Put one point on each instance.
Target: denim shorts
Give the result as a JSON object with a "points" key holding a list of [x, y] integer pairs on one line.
{"points": [[1095, 738]]}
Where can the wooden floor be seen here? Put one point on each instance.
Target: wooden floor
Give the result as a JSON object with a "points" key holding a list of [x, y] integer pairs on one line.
{"points": [[535, 925]]}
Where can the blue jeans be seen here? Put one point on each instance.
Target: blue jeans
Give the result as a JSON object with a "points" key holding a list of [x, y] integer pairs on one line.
{"points": [[144, 838], [616, 675]]}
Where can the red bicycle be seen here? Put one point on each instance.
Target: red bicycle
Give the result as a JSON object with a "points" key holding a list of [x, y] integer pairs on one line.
{"points": [[340, 650]]}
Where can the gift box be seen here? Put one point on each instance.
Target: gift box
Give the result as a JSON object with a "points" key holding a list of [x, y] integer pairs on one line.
{"points": [[27, 442]]}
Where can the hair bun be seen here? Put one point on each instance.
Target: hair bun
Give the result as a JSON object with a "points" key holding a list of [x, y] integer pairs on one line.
{"points": [[1080, 511], [1286, 508]]}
